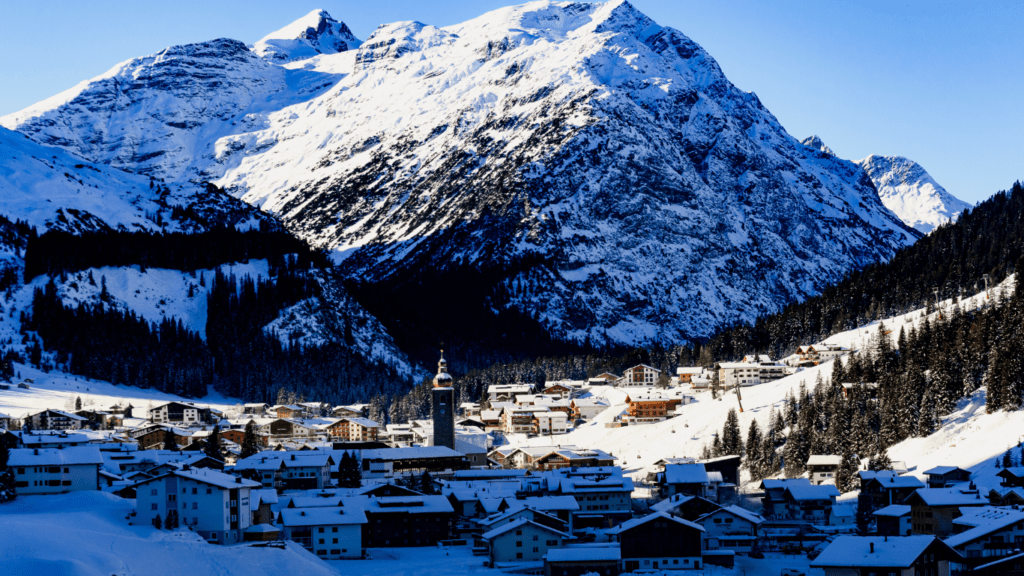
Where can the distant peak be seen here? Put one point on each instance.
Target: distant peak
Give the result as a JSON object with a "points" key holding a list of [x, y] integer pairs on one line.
{"points": [[313, 34], [813, 141]]}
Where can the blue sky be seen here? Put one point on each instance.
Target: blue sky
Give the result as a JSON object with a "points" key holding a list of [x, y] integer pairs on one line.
{"points": [[941, 83]]}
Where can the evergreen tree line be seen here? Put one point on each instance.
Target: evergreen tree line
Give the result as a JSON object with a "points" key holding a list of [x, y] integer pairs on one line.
{"points": [[57, 252], [895, 393], [14, 236]]}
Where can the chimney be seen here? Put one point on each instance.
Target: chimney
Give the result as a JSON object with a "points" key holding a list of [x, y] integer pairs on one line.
{"points": [[238, 479], [293, 456], [872, 545], [36, 452]]}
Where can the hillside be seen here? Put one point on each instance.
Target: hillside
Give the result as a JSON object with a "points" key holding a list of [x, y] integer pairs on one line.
{"points": [[592, 172]]}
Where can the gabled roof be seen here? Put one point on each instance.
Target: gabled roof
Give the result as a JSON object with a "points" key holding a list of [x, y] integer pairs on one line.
{"points": [[685, 474], [896, 482], [889, 552], [62, 413], [738, 512], [1014, 472], [519, 524], [408, 504], [999, 522], [822, 492], [337, 515], [70, 456], [772, 484], [942, 470], [207, 476], [947, 497], [893, 511], [824, 460], [629, 525]]}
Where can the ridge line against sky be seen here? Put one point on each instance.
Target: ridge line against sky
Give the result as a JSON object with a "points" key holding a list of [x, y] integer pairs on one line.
{"points": [[939, 83]]}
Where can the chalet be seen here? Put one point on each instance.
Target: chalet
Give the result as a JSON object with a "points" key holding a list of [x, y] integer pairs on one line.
{"points": [[100, 420], [888, 490], [255, 408], [261, 503], [289, 411], [568, 458], [893, 520], [808, 503], [1006, 497], [944, 476], [660, 542], [987, 532], [604, 495], [332, 533], [558, 390], [639, 375], [653, 405], [515, 513], [155, 436], [469, 410], [933, 510], [729, 466], [401, 521], [580, 560], [686, 507], [354, 429], [43, 439], [686, 374], [867, 390], [56, 420], [586, 408], [684, 479], [5, 421], [807, 356], [316, 409], [871, 555], [55, 470], [823, 468], [238, 437], [507, 392], [281, 430], [290, 470], [213, 504], [550, 423], [520, 419], [731, 528], [1012, 477], [522, 541], [178, 413], [774, 495]]}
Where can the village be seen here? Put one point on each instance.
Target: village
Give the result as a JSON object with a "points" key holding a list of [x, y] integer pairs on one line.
{"points": [[342, 486]]}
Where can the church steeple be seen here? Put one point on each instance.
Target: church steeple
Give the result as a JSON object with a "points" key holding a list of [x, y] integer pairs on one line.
{"points": [[443, 379]]}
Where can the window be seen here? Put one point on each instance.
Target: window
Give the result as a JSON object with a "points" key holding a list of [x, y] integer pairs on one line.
{"points": [[552, 542], [519, 555], [195, 490], [335, 551], [535, 537], [321, 540], [152, 492], [195, 505], [334, 529], [519, 544], [320, 530], [534, 548], [209, 490], [154, 506]]}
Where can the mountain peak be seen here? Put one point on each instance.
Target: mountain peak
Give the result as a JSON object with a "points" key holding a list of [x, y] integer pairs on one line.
{"points": [[907, 189], [313, 34], [813, 141]]}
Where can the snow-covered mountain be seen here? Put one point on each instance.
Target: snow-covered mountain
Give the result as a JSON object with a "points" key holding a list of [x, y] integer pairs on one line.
{"points": [[600, 165], [816, 143], [909, 191], [313, 34], [52, 189]]}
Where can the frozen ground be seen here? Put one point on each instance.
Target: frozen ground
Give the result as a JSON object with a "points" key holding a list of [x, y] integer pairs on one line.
{"points": [[87, 534]]}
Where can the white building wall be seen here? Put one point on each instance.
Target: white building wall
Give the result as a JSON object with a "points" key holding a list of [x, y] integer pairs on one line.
{"points": [[69, 478], [334, 542]]}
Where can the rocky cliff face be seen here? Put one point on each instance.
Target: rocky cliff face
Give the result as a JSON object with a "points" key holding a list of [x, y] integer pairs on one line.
{"points": [[601, 168], [910, 192], [313, 34]]}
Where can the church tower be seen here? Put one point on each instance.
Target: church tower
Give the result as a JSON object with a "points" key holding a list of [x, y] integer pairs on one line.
{"points": [[443, 406]]}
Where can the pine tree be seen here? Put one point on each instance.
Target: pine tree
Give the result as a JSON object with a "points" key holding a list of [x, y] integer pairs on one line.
{"points": [[426, 483], [732, 439], [753, 457], [169, 442], [349, 474], [769, 464], [880, 461], [847, 472], [926, 422], [8, 488], [157, 523], [212, 448], [172, 519], [250, 445], [78, 403], [1007, 459], [865, 509]]}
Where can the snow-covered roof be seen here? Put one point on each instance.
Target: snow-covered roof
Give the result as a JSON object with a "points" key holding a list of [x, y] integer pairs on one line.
{"points": [[584, 554], [823, 492], [261, 529], [408, 504], [546, 502], [364, 422], [332, 516], [70, 456], [889, 552], [64, 414], [842, 511], [948, 497], [893, 511], [208, 476], [697, 370], [894, 481], [993, 522], [266, 496], [824, 460], [672, 503], [410, 453], [941, 470], [50, 437], [630, 524], [685, 474], [519, 524]]}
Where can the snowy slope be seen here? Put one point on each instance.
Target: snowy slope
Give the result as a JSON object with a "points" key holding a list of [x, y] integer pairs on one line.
{"points": [[52, 189], [909, 191], [86, 533], [313, 34], [968, 438], [652, 199]]}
